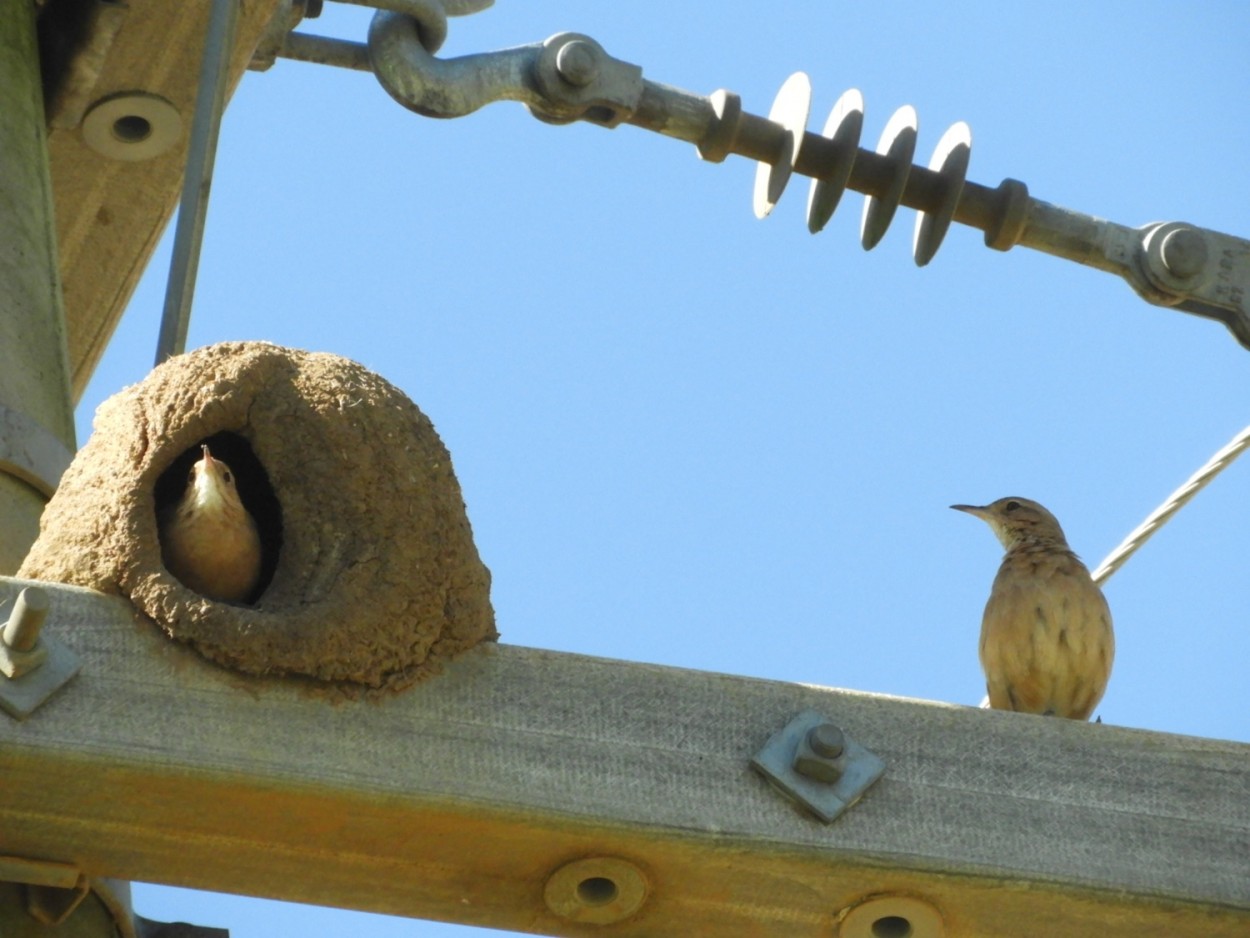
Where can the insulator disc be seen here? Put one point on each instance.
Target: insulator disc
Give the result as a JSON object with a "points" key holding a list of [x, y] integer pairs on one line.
{"points": [[898, 142], [846, 122], [790, 109], [950, 161], [718, 144]]}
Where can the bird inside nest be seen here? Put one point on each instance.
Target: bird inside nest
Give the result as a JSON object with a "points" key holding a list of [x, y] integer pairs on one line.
{"points": [[209, 540], [1046, 639]]}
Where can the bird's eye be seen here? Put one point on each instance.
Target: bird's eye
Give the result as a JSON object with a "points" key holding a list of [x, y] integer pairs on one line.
{"points": [[1012, 505], [226, 475]]}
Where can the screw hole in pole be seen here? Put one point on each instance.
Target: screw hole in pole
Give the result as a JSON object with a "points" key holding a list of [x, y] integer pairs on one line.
{"points": [[891, 926], [891, 915], [597, 890], [132, 128]]}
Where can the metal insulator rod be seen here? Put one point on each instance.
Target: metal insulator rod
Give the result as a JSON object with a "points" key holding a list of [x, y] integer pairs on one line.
{"points": [[322, 50], [570, 77]]}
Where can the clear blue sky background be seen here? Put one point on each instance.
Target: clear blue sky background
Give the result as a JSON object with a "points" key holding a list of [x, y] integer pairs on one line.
{"points": [[692, 438]]}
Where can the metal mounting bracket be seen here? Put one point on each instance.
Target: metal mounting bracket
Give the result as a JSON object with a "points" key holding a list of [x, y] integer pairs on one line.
{"points": [[30, 452], [53, 890], [814, 764]]}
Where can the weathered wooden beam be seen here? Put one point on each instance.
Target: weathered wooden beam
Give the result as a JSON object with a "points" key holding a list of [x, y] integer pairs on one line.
{"points": [[110, 212], [461, 798]]}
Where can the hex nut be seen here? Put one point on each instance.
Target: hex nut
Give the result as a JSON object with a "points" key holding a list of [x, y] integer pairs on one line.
{"points": [[1184, 252], [578, 63], [826, 740]]}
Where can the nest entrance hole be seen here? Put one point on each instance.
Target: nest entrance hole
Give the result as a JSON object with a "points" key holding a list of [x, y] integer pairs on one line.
{"points": [[255, 491]]}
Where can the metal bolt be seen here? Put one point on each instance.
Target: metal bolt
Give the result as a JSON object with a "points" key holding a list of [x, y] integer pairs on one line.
{"points": [[21, 632], [1184, 253], [578, 63], [818, 753], [826, 740]]}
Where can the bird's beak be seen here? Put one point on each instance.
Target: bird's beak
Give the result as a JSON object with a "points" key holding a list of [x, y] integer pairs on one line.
{"points": [[208, 457], [980, 511]]}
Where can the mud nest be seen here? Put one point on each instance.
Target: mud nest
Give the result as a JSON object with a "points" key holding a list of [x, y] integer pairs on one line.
{"points": [[369, 574]]}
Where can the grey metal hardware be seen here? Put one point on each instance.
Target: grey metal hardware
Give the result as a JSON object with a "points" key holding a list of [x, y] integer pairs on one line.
{"points": [[280, 40], [33, 665], [571, 77], [814, 764]]}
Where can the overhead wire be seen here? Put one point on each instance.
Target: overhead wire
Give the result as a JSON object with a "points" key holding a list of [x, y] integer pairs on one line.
{"points": [[1174, 503]]}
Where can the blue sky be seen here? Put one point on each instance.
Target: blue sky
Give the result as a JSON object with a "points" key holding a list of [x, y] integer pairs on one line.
{"points": [[692, 438]]}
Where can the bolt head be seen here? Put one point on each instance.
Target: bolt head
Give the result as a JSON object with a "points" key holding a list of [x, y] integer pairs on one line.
{"points": [[1184, 253], [21, 631], [826, 740], [578, 63], [818, 754]]}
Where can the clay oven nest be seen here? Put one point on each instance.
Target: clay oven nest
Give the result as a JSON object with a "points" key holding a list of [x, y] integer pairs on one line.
{"points": [[369, 576]]}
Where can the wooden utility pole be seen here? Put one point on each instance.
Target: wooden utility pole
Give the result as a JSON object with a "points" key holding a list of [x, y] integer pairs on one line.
{"points": [[36, 421], [36, 416], [69, 214]]}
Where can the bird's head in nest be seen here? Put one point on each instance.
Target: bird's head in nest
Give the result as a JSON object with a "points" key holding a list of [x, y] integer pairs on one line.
{"points": [[211, 483], [1014, 520]]}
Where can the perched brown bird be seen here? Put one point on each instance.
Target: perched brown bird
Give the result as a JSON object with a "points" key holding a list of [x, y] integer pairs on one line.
{"points": [[209, 540], [1046, 639]]}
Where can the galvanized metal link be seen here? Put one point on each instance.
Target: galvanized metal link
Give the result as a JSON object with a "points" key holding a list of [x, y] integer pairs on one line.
{"points": [[571, 77]]}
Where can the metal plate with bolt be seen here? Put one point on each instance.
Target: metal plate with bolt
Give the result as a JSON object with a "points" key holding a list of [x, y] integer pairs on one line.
{"points": [[51, 890], [814, 764], [33, 666]]}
